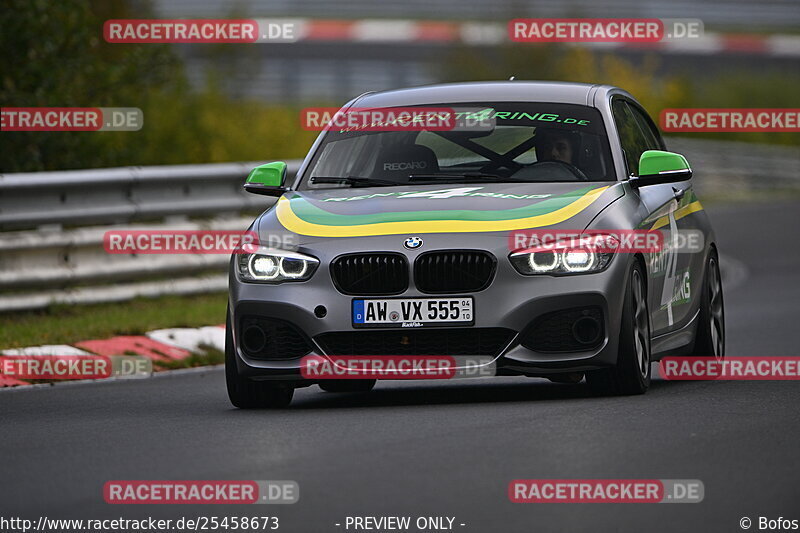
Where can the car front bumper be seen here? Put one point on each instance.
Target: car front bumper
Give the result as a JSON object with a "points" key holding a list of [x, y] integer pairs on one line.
{"points": [[512, 301]]}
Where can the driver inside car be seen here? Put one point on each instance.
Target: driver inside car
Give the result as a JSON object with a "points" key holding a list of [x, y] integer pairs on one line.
{"points": [[556, 145], [557, 157]]}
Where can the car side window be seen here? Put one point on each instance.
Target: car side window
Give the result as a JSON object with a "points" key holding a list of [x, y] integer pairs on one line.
{"points": [[654, 140], [630, 135]]}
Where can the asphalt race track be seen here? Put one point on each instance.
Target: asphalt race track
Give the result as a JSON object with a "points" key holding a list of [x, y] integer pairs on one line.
{"points": [[446, 449]]}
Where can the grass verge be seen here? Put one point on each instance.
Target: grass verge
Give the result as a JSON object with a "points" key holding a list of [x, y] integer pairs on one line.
{"points": [[67, 324]]}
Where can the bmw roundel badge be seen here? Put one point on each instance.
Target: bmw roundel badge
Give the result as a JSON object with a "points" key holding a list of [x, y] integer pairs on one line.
{"points": [[412, 243]]}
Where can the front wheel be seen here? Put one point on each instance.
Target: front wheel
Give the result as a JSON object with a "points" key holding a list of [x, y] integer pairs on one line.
{"points": [[245, 393], [631, 374]]}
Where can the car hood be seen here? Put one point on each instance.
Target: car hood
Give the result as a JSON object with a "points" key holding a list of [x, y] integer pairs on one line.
{"points": [[425, 209]]}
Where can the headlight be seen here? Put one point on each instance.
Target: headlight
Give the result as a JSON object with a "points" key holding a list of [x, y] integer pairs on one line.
{"points": [[563, 257], [270, 265]]}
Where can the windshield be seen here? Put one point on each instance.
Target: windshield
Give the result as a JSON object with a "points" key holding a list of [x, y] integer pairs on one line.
{"points": [[525, 142]]}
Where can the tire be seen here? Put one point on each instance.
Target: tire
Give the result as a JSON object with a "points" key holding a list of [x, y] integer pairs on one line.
{"points": [[709, 341], [245, 393], [631, 374], [347, 385]]}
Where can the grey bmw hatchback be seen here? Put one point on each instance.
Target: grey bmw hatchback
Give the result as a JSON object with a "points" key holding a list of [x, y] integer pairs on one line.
{"points": [[516, 243]]}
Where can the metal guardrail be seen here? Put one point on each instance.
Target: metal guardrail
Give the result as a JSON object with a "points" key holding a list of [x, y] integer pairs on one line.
{"points": [[724, 168], [50, 255], [52, 223], [129, 194], [55, 266]]}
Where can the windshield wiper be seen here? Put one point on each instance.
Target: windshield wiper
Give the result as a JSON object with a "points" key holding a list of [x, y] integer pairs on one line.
{"points": [[351, 180]]}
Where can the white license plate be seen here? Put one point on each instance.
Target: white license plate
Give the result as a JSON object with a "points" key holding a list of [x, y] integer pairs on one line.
{"points": [[413, 312]]}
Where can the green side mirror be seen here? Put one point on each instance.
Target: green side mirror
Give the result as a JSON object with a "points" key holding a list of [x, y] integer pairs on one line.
{"points": [[656, 166], [267, 179]]}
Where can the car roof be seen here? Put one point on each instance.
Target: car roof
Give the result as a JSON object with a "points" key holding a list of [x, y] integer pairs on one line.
{"points": [[485, 91]]}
